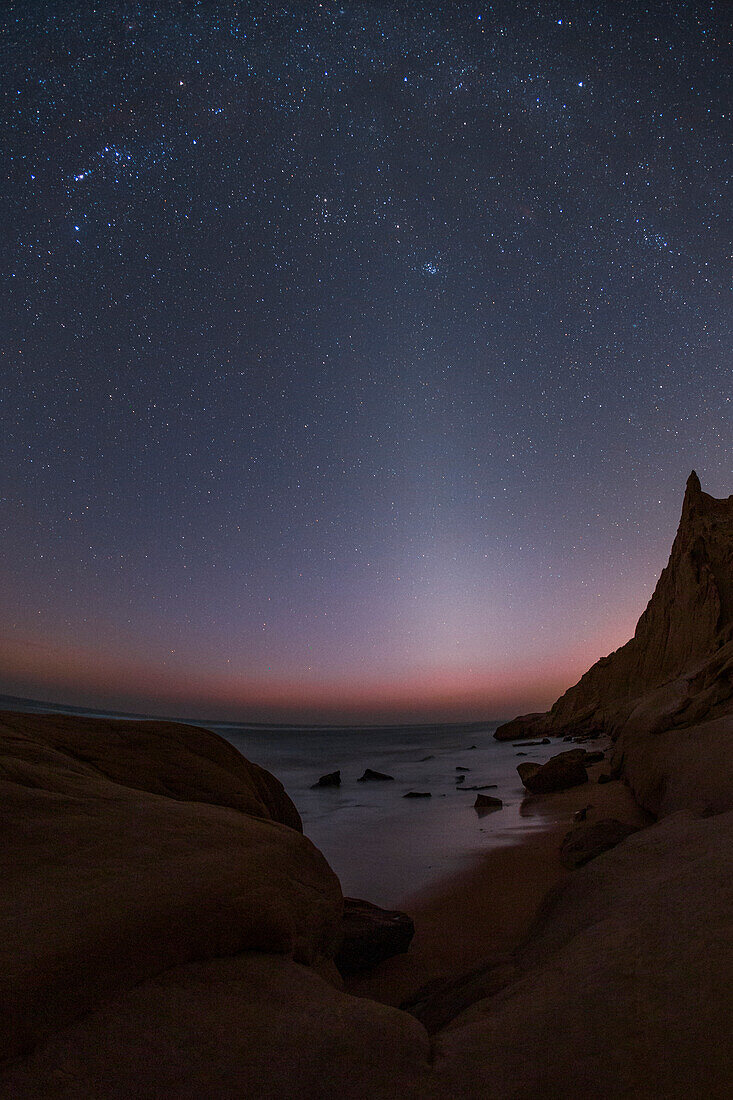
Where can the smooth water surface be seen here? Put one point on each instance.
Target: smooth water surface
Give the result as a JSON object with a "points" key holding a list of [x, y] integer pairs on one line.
{"points": [[384, 847]]}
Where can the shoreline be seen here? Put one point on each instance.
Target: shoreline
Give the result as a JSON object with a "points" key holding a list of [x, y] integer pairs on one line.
{"points": [[480, 916]]}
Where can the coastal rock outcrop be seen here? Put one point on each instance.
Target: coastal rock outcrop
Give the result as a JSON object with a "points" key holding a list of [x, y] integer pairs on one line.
{"points": [[166, 942], [557, 774], [666, 697]]}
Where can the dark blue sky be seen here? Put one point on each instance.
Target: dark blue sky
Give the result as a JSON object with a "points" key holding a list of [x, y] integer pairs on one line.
{"points": [[354, 355]]}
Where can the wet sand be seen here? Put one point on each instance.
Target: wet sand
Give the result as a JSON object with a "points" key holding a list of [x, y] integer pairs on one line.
{"points": [[479, 917]]}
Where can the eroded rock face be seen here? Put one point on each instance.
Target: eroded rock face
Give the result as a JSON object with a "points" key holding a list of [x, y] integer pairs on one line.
{"points": [[133, 847], [671, 686]]}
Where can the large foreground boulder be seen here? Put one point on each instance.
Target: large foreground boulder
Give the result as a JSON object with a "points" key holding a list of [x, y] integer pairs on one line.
{"points": [[133, 847], [248, 1027]]}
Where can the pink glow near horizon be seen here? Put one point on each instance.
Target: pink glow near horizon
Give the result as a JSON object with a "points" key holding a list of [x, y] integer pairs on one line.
{"points": [[84, 676]]}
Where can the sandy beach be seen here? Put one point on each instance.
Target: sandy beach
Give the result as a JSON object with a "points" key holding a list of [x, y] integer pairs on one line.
{"points": [[477, 918]]}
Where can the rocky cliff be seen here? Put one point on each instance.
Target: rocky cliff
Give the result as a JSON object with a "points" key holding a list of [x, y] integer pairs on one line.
{"points": [[675, 676]]}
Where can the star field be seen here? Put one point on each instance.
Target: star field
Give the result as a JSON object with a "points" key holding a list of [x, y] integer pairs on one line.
{"points": [[354, 356]]}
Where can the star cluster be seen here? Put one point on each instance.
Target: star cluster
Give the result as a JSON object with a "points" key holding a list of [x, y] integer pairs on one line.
{"points": [[354, 355]]}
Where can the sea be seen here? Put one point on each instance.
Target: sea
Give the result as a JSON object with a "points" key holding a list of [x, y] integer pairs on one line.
{"points": [[386, 848]]}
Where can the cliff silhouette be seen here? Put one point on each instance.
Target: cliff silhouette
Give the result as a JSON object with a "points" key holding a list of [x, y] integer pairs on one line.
{"points": [[675, 674]]}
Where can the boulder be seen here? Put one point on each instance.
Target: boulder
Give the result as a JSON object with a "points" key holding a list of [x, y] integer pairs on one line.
{"points": [[523, 726], [588, 840], [371, 776], [134, 847], [487, 802], [556, 774], [572, 754], [370, 935], [332, 779]]}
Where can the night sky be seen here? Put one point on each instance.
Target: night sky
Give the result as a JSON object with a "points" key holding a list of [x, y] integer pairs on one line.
{"points": [[354, 356]]}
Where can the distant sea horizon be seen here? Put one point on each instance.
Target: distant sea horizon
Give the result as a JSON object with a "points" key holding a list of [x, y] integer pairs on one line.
{"points": [[384, 847], [42, 706]]}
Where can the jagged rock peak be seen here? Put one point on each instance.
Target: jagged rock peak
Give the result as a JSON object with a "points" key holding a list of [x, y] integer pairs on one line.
{"points": [[693, 484], [693, 497], [686, 623]]}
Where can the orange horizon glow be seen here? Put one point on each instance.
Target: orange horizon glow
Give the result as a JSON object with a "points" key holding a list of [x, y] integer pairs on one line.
{"points": [[85, 677]]}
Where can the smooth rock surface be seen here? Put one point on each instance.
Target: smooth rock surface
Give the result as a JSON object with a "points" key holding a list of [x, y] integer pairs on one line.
{"points": [[370, 935], [624, 988], [586, 841], [133, 847], [557, 774]]}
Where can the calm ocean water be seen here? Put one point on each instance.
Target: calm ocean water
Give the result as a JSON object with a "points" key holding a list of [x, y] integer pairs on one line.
{"points": [[384, 847]]}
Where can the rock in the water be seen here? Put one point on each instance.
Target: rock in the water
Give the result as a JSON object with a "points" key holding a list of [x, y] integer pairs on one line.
{"points": [[370, 774], [460, 769], [581, 815], [424, 758], [460, 779], [371, 935], [487, 802], [417, 794], [591, 839], [333, 779], [556, 775]]}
